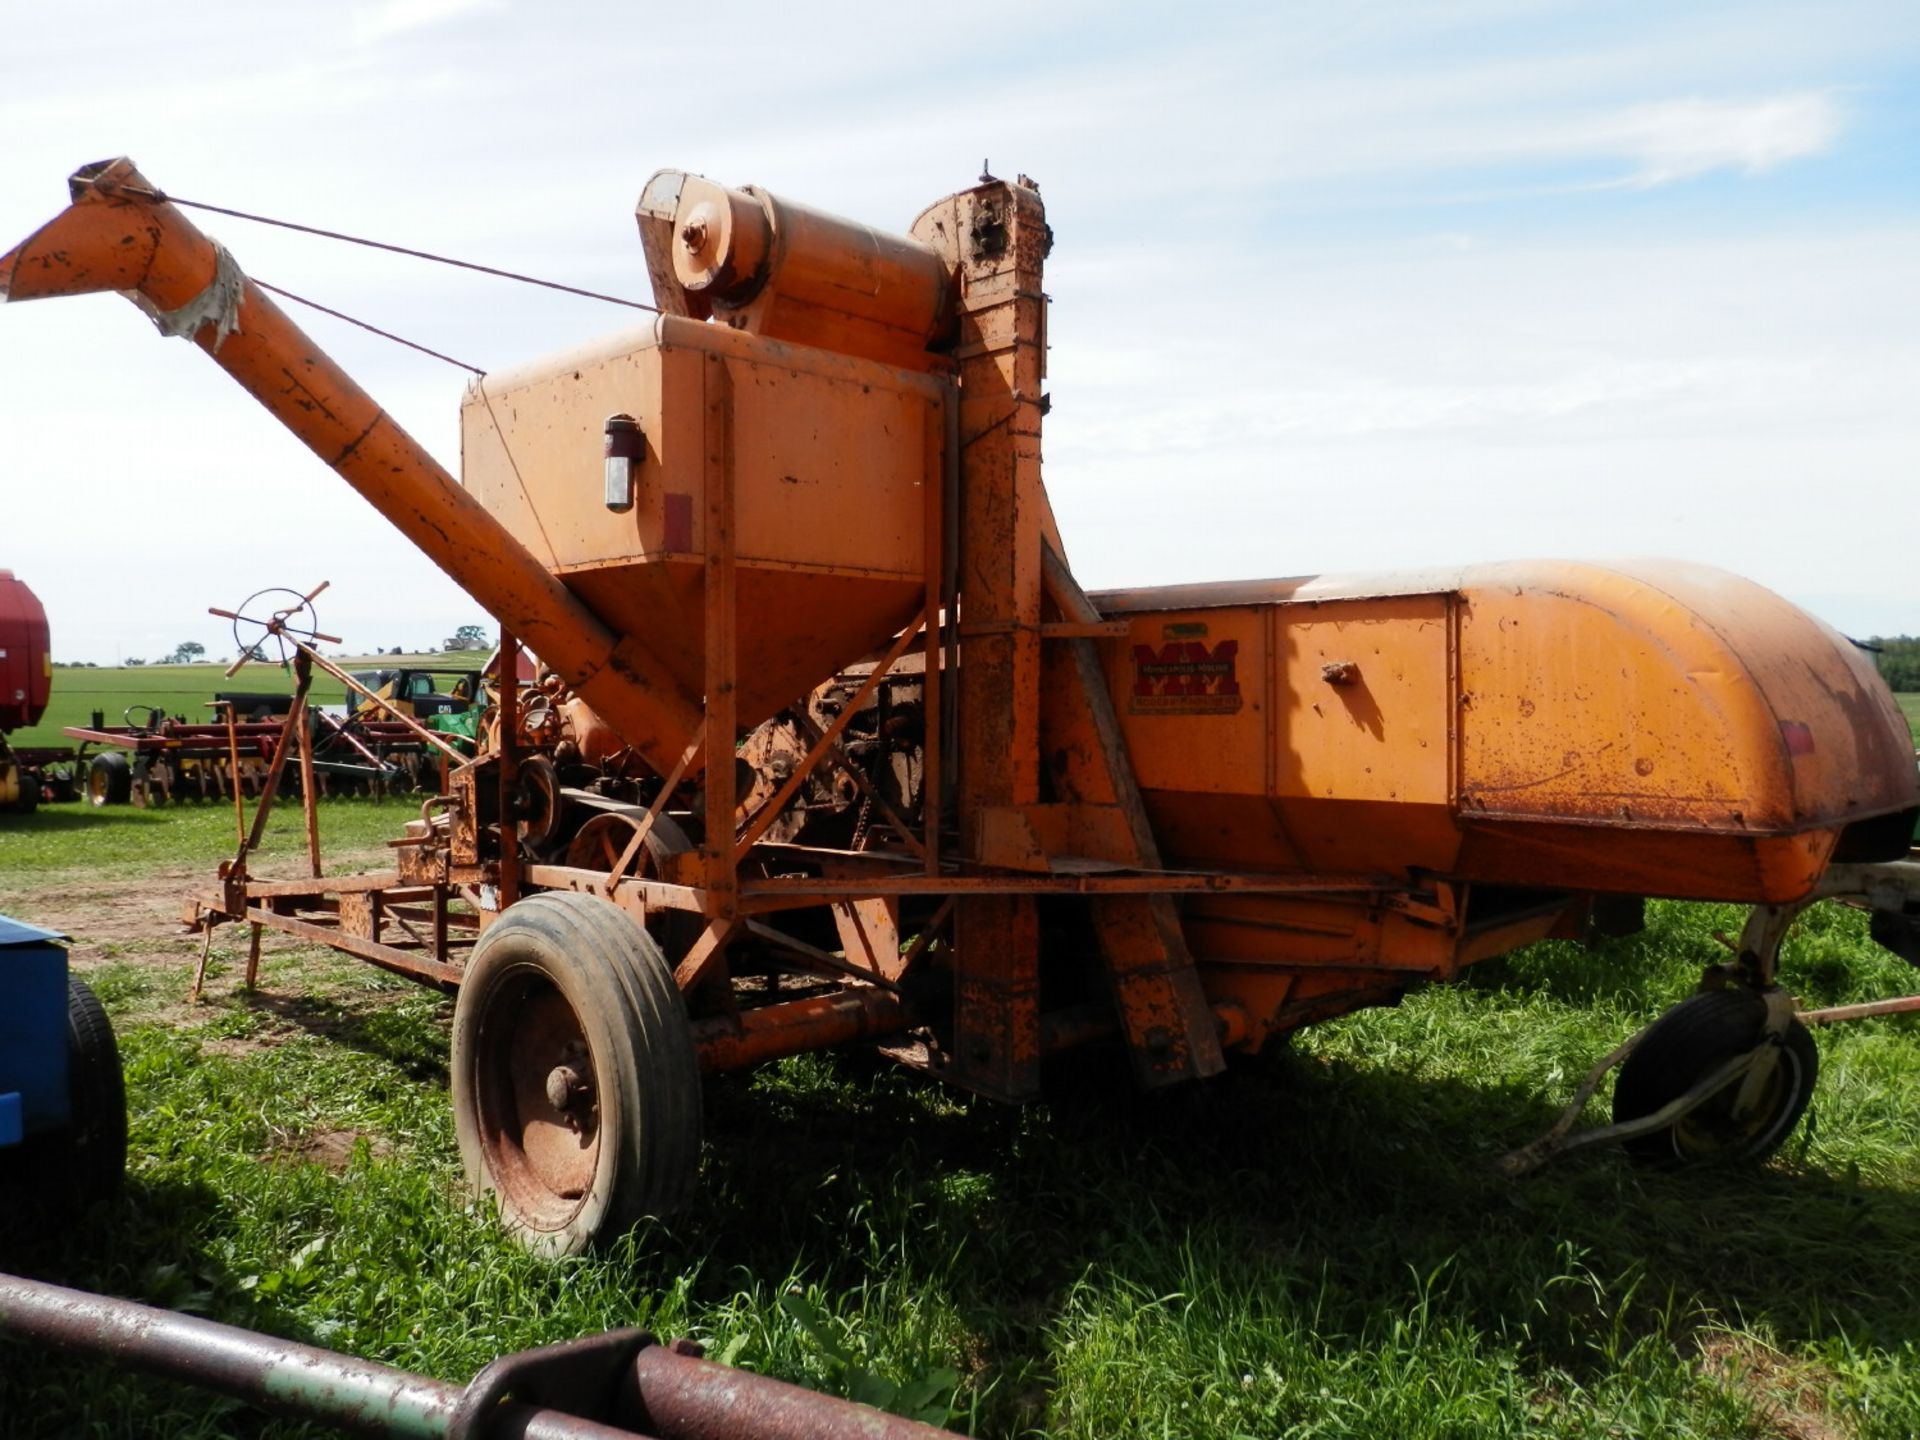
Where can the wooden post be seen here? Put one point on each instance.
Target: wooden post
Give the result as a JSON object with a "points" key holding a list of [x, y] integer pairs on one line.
{"points": [[309, 801], [253, 955]]}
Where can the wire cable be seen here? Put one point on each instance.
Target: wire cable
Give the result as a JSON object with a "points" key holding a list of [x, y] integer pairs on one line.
{"points": [[158, 197], [383, 334]]}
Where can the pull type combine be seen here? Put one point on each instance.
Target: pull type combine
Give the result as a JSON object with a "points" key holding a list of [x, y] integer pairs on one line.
{"points": [[974, 815]]}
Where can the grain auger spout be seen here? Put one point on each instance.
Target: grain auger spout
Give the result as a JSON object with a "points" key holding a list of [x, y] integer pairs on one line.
{"points": [[120, 233]]}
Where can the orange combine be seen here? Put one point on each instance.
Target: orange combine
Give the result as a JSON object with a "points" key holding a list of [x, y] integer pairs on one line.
{"points": [[975, 815]]}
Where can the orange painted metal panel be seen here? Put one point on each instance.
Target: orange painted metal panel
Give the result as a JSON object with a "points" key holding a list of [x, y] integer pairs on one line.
{"points": [[829, 459], [1504, 724], [1192, 692]]}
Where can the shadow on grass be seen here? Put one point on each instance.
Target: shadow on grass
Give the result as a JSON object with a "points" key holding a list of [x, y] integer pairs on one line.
{"points": [[1309, 1193], [400, 1035], [66, 818], [150, 1243]]}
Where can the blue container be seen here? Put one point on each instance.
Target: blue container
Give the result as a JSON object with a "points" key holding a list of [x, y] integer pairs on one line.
{"points": [[33, 1031]]}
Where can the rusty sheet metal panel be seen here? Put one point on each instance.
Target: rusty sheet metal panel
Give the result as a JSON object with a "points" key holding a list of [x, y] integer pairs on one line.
{"points": [[1364, 706], [1667, 696], [1347, 700], [830, 459]]}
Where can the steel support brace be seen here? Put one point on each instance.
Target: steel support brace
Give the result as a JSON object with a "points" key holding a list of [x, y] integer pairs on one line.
{"points": [[1170, 1029]]}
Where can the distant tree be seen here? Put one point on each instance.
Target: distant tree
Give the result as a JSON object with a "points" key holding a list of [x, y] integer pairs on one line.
{"points": [[1899, 660], [185, 653], [136, 660], [467, 637]]}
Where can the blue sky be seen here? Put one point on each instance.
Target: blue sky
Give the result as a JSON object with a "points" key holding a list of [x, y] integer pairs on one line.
{"points": [[1337, 288]]}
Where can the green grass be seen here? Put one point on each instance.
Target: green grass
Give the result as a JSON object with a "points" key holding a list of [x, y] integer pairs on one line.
{"points": [[1316, 1245], [189, 835], [1910, 707], [177, 689], [182, 690]]}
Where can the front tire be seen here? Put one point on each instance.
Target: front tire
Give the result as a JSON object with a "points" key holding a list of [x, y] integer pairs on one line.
{"points": [[576, 1088], [86, 1161], [1690, 1042]]}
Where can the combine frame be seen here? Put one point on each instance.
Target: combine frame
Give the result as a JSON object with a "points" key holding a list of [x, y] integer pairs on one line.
{"points": [[1181, 821]]}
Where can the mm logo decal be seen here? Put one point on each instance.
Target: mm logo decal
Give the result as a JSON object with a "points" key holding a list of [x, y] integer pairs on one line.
{"points": [[1185, 677]]}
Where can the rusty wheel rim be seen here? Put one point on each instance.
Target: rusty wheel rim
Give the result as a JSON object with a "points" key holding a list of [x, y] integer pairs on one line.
{"points": [[1712, 1129], [539, 1113]]}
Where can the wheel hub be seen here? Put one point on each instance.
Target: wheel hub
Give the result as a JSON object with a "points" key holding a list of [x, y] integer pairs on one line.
{"points": [[569, 1092], [539, 1117]]}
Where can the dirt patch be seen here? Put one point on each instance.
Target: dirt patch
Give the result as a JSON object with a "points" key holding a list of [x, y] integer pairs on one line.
{"points": [[135, 918], [109, 914], [103, 911], [1788, 1397], [329, 1149]]}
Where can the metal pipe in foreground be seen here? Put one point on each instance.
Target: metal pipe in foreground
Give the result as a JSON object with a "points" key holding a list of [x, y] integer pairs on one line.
{"points": [[679, 1396], [283, 1376]]}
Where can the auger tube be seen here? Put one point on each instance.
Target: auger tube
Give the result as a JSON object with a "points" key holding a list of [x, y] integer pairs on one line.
{"points": [[121, 234]]}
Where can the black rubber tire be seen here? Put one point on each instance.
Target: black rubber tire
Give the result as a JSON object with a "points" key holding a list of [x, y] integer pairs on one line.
{"points": [[28, 799], [1683, 1047], [1897, 931], [87, 1161], [559, 973], [109, 779]]}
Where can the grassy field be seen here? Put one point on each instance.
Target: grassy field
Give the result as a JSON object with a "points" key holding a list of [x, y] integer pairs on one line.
{"points": [[1315, 1246], [181, 690], [1910, 704]]}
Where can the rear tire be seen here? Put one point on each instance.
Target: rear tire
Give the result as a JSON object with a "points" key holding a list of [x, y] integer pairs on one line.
{"points": [[109, 780], [27, 800], [576, 1089], [1687, 1044]]}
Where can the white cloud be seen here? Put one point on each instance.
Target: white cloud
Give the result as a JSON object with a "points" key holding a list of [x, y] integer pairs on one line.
{"points": [[398, 17], [1288, 334], [1682, 139]]}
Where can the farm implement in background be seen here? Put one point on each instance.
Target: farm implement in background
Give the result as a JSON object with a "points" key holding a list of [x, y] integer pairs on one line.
{"points": [[831, 746], [391, 735], [28, 774]]}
